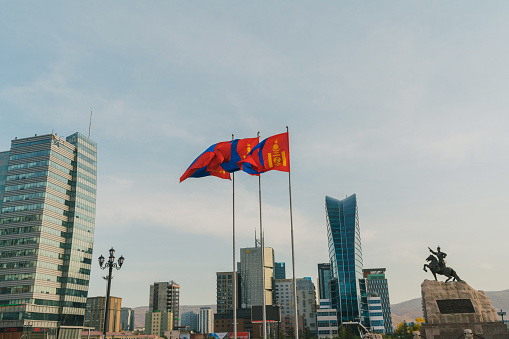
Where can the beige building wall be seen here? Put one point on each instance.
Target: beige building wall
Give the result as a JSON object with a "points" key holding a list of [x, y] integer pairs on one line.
{"points": [[156, 322], [94, 316]]}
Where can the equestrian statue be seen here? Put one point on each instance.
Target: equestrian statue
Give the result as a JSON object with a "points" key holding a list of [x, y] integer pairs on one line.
{"points": [[437, 265]]}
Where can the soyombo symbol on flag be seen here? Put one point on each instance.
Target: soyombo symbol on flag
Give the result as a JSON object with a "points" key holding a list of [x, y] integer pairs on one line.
{"points": [[200, 167], [272, 153]]}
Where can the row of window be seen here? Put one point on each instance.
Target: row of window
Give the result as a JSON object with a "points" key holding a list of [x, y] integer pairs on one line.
{"points": [[28, 165], [31, 207], [29, 155], [31, 143]]}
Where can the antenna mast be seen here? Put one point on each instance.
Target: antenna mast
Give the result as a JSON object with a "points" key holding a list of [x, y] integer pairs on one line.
{"points": [[90, 126]]}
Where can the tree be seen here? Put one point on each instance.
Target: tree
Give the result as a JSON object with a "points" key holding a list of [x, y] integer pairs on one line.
{"points": [[404, 331], [291, 332]]}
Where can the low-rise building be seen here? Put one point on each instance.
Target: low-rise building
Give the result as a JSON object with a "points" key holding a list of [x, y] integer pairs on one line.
{"points": [[157, 322]]}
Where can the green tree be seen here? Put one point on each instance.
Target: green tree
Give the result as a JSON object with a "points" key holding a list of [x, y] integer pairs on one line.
{"points": [[404, 331], [291, 332]]}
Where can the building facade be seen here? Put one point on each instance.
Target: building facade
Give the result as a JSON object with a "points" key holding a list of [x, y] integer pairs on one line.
{"points": [[279, 270], [376, 285], [165, 297], [206, 320], [306, 301], [94, 315], [376, 318], [47, 220], [126, 319], [327, 322], [189, 319], [251, 276], [224, 291], [345, 251], [324, 276], [157, 322]]}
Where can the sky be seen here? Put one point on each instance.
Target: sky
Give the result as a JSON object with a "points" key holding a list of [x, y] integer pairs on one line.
{"points": [[403, 103]]}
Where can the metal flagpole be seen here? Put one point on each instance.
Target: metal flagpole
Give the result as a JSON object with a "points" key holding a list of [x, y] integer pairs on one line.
{"points": [[296, 322], [234, 264], [263, 257]]}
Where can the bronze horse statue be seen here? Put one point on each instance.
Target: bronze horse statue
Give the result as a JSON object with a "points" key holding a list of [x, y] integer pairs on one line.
{"points": [[435, 268]]}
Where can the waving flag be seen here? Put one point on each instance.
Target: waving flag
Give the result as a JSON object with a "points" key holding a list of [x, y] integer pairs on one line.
{"points": [[232, 154], [272, 153], [201, 166]]}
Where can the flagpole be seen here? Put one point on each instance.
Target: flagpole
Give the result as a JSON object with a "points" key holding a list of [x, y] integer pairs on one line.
{"points": [[234, 262], [293, 250], [263, 256]]}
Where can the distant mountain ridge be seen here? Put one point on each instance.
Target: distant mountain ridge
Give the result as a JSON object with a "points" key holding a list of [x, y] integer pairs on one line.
{"points": [[411, 309]]}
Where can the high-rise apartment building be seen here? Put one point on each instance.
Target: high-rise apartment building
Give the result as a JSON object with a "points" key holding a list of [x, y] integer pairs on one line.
{"points": [[47, 219], [279, 270], [206, 320], [127, 319], [376, 285], [251, 276], [224, 291], [165, 297], [345, 251], [94, 315]]}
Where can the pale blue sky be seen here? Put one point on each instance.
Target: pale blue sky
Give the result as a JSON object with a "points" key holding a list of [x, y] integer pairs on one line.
{"points": [[403, 103]]}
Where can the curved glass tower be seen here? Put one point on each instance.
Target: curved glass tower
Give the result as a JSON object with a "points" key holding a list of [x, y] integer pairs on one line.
{"points": [[343, 231]]}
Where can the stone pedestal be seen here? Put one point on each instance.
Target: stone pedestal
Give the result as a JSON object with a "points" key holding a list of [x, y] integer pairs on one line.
{"points": [[450, 308]]}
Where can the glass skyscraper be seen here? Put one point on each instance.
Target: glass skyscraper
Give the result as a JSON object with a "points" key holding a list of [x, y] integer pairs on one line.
{"points": [[47, 218], [345, 254]]}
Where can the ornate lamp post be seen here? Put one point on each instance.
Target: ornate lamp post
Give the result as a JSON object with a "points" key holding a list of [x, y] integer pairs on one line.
{"points": [[110, 264]]}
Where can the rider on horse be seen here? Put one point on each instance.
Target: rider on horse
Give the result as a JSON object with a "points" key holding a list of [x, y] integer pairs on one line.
{"points": [[441, 257]]}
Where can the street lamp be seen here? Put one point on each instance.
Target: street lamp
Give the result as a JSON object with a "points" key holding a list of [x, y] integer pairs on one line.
{"points": [[110, 264]]}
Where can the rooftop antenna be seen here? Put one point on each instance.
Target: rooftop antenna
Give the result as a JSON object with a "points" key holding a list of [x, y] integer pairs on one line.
{"points": [[90, 125]]}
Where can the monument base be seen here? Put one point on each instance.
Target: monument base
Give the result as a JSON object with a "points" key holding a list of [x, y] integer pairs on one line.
{"points": [[451, 308], [491, 330]]}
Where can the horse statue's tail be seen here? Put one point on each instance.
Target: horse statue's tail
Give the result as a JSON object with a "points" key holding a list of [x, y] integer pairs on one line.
{"points": [[455, 275]]}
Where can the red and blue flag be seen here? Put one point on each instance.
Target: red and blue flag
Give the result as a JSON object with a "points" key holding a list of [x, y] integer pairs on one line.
{"points": [[272, 153], [201, 166], [220, 159]]}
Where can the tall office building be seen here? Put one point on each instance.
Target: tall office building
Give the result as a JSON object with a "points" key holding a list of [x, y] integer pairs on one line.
{"points": [[224, 291], [47, 218], [127, 319], [376, 285], [346, 260], [94, 315], [324, 276], [280, 270], [165, 297], [251, 276], [206, 320]]}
